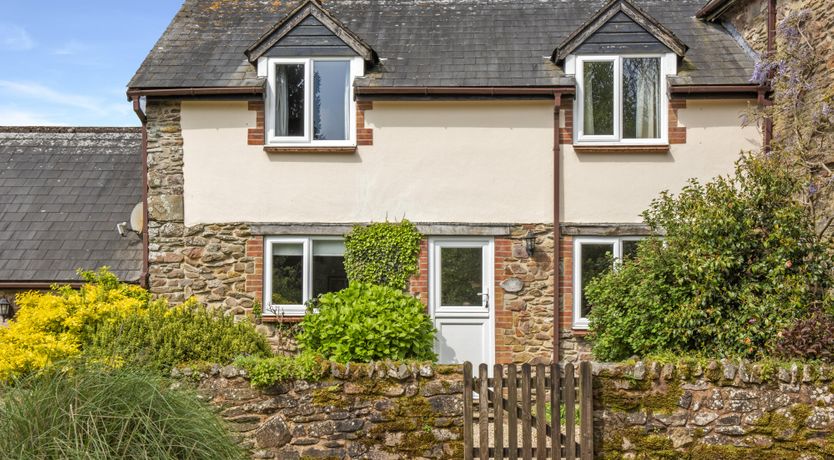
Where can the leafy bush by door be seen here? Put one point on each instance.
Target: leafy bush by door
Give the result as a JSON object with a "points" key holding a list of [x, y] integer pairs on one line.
{"points": [[367, 322]]}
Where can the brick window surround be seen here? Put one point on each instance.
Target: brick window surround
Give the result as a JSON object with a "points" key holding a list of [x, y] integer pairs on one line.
{"points": [[677, 134], [257, 135]]}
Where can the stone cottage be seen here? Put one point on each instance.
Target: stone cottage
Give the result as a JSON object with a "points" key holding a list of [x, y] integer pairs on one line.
{"points": [[524, 137]]}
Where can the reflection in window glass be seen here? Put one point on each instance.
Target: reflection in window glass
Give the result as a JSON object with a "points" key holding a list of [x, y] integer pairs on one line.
{"points": [[598, 100], [629, 249], [330, 100], [461, 276], [287, 273], [641, 98], [289, 100], [328, 267], [597, 259]]}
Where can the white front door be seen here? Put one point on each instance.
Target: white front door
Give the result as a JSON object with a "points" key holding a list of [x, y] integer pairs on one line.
{"points": [[461, 299]]}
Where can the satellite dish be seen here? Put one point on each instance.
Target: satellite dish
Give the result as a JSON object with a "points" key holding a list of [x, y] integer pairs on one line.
{"points": [[137, 218]]}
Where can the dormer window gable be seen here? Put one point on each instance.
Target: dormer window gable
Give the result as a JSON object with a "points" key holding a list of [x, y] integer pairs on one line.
{"points": [[309, 61], [620, 59]]}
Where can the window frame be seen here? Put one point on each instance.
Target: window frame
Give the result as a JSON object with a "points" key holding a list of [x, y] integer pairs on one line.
{"points": [[617, 137], [580, 322], [307, 242], [356, 69]]}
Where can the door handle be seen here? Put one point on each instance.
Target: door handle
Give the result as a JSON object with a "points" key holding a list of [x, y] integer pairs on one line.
{"points": [[485, 296]]}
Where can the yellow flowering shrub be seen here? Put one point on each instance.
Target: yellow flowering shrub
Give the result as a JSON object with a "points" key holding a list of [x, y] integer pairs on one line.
{"points": [[51, 326]]}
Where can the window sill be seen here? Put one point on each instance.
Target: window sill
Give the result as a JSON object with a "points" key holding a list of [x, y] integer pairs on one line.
{"points": [[281, 319], [580, 332], [648, 148], [310, 149]]}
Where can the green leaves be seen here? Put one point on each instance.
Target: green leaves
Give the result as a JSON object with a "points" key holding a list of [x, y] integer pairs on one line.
{"points": [[737, 263], [366, 322], [383, 253]]}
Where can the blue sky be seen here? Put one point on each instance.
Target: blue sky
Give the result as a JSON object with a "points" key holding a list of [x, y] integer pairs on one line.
{"points": [[68, 62]]}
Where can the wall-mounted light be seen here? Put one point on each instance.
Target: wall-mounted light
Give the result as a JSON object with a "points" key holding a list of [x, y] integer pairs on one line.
{"points": [[530, 243], [5, 309]]}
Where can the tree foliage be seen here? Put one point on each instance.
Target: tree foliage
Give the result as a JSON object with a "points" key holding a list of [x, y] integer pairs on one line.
{"points": [[383, 253]]}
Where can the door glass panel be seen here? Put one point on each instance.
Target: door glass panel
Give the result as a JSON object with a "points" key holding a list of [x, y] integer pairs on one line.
{"points": [[287, 273], [641, 93], [330, 100], [289, 100], [598, 100], [328, 267], [461, 276], [597, 259]]}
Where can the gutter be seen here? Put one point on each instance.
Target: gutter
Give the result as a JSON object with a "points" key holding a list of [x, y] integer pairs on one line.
{"points": [[133, 93], [37, 284], [463, 91], [716, 89], [140, 113]]}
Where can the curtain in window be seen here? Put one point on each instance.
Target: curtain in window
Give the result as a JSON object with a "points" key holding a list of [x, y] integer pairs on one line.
{"points": [[641, 88], [282, 113]]}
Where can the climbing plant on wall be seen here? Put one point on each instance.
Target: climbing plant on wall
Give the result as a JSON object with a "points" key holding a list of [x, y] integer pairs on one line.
{"points": [[383, 253]]}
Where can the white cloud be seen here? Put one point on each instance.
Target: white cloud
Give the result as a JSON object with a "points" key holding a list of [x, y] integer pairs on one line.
{"points": [[15, 38], [71, 48], [16, 117], [46, 94]]}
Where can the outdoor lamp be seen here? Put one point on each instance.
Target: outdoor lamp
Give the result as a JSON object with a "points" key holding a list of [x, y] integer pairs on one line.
{"points": [[5, 308], [530, 242]]}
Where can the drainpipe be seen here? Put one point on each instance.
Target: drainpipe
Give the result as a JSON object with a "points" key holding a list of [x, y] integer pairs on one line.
{"points": [[140, 112], [557, 231], [771, 49]]}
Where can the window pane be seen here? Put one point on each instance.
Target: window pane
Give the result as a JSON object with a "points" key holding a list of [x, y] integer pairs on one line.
{"points": [[629, 249], [328, 266], [330, 100], [289, 100], [596, 259], [461, 276], [641, 93], [287, 273], [598, 101]]}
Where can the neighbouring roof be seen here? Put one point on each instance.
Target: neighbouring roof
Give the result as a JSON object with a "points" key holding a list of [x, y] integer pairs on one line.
{"points": [[449, 43], [62, 192]]}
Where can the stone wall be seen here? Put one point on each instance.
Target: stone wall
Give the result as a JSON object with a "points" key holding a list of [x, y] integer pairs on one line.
{"points": [[714, 410], [380, 411]]}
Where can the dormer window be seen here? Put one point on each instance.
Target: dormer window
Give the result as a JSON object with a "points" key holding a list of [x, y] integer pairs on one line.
{"points": [[310, 101], [621, 99]]}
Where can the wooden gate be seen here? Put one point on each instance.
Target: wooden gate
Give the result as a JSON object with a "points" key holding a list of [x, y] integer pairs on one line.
{"points": [[546, 405]]}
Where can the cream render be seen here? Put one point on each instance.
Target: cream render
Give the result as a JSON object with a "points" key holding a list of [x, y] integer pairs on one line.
{"points": [[616, 188], [488, 161], [430, 162]]}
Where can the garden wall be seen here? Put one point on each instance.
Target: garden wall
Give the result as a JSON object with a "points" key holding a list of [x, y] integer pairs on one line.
{"points": [[643, 410], [359, 411], [717, 410]]}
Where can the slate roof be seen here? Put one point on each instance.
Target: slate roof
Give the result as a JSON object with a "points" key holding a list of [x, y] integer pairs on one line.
{"points": [[427, 42], [62, 191]]}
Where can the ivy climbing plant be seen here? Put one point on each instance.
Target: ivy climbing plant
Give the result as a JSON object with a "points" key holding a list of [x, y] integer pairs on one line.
{"points": [[383, 253]]}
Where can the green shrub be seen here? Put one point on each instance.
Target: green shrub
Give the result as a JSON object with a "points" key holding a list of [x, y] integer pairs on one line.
{"points": [[163, 337], [383, 253], [266, 372], [740, 261], [90, 413], [366, 322]]}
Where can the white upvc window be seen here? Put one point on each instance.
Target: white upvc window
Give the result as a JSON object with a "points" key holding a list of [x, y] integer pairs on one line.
{"points": [[622, 99], [310, 101], [593, 256], [298, 269]]}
